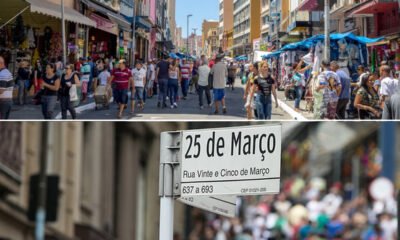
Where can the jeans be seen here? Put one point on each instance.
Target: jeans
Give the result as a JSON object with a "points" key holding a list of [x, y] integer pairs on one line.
{"points": [[264, 107], [48, 106], [22, 91], [173, 90], [185, 87], [163, 87], [66, 105], [341, 108], [299, 96], [5, 109], [206, 90]]}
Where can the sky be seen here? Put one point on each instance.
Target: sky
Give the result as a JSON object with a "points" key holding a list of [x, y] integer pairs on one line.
{"points": [[200, 9]]}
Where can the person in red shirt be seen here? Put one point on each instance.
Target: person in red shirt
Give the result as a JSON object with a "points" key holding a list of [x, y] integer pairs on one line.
{"points": [[122, 77]]}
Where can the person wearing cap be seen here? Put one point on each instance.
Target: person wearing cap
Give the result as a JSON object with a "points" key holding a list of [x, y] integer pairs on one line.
{"points": [[122, 77]]}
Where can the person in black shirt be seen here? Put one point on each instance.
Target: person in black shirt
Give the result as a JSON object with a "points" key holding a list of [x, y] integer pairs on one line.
{"points": [[50, 87], [162, 76], [68, 79], [264, 86], [23, 82]]}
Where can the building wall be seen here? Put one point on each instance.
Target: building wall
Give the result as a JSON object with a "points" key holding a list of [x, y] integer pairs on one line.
{"points": [[255, 21], [206, 26]]}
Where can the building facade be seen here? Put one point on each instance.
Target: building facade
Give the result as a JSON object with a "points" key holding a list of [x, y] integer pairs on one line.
{"points": [[226, 25], [246, 25], [206, 26], [108, 188]]}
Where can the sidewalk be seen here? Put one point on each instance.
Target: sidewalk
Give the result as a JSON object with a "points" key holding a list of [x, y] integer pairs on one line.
{"points": [[288, 107]]}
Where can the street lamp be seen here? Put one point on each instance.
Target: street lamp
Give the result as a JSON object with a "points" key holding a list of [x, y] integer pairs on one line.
{"points": [[327, 31], [187, 40]]}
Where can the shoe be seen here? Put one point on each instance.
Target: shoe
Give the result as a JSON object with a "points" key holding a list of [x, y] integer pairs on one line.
{"points": [[201, 107], [184, 98], [158, 104], [216, 112], [172, 106], [175, 105], [164, 105], [224, 110]]}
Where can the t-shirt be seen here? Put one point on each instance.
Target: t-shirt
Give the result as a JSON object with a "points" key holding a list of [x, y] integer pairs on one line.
{"points": [[103, 77], [231, 71], [185, 71], [163, 68], [50, 81], [85, 70], [204, 72], [345, 82], [220, 72], [388, 86], [139, 76], [121, 78], [151, 72], [391, 109], [6, 84], [265, 85], [173, 74]]}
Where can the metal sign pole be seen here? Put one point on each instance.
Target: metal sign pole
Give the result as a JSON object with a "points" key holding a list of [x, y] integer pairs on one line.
{"points": [[327, 54], [169, 159], [63, 33]]}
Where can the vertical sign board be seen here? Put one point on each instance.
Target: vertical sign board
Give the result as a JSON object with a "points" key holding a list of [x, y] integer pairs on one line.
{"points": [[232, 161], [222, 205]]}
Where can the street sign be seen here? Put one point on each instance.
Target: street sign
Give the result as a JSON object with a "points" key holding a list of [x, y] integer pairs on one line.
{"points": [[221, 205], [232, 161]]}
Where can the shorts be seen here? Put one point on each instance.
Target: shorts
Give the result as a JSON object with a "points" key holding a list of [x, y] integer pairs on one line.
{"points": [[150, 84], [121, 96], [138, 96], [219, 94]]}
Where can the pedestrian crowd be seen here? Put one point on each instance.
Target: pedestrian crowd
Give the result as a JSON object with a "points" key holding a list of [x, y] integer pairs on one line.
{"points": [[172, 80], [332, 93], [303, 211]]}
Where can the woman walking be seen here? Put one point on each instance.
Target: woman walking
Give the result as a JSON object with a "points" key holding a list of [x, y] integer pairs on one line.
{"points": [[174, 78], [37, 76], [68, 79], [265, 87], [50, 87], [367, 99]]}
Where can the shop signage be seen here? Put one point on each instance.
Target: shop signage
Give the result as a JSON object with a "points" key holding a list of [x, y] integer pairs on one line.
{"points": [[103, 24], [349, 24], [232, 161], [10, 149]]}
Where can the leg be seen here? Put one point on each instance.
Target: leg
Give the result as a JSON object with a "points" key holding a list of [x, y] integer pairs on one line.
{"points": [[133, 96], [44, 107], [51, 106], [71, 108], [21, 89], [170, 90], [201, 90], [208, 95], [63, 104]]}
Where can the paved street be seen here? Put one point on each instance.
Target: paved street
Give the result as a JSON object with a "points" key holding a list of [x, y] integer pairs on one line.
{"points": [[187, 110]]}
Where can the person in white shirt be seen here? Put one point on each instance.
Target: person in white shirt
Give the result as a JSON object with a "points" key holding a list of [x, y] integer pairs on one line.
{"points": [[151, 76], [6, 90], [204, 72], [388, 85], [139, 78]]}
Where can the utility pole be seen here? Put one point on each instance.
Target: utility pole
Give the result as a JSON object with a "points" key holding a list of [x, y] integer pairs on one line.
{"points": [[64, 43], [327, 54], [133, 34], [188, 34], [41, 208], [195, 39]]}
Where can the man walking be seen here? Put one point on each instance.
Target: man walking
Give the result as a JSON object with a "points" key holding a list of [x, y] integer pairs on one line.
{"points": [[220, 73], [139, 77], [162, 79], [391, 109], [344, 95], [185, 71], [204, 72], [121, 76], [6, 90], [388, 85]]}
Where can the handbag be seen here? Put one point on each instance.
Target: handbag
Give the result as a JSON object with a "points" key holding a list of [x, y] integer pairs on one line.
{"points": [[211, 81], [73, 93]]}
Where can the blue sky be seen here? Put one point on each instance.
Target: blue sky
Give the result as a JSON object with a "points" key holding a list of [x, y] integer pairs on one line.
{"points": [[201, 9]]}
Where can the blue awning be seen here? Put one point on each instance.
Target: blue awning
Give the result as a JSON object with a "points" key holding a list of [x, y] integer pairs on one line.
{"points": [[272, 55], [143, 22]]}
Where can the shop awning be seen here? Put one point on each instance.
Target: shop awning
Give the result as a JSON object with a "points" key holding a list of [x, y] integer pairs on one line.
{"points": [[48, 8], [311, 5], [10, 9], [373, 6], [120, 21]]}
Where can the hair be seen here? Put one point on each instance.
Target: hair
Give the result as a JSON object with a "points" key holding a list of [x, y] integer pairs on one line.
{"points": [[262, 64], [364, 83], [52, 66], [256, 66], [386, 69], [361, 67], [335, 64], [325, 63], [71, 66], [205, 62]]}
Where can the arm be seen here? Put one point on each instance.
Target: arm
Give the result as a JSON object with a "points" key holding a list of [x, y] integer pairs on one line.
{"points": [[78, 83], [110, 79], [387, 113], [359, 106], [275, 96]]}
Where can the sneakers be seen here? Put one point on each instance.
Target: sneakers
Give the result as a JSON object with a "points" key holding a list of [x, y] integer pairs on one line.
{"points": [[175, 105], [201, 107], [224, 110], [158, 104]]}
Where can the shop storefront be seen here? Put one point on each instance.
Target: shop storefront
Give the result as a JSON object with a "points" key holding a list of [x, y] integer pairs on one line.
{"points": [[102, 39], [32, 30]]}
